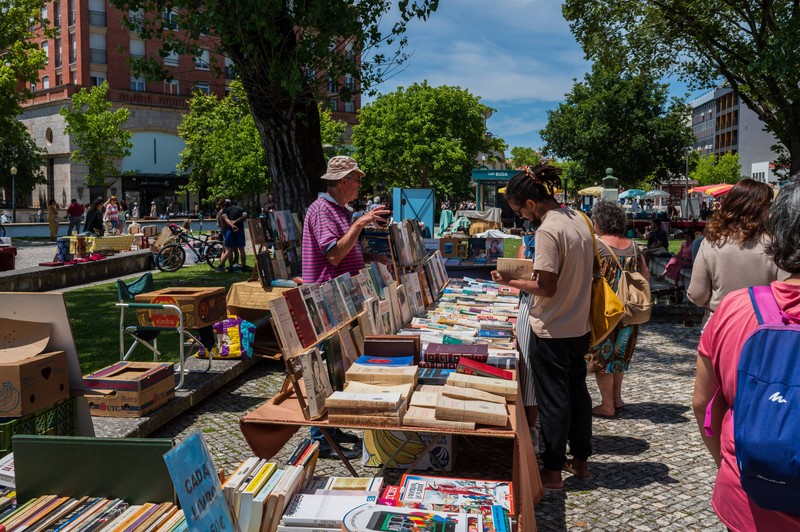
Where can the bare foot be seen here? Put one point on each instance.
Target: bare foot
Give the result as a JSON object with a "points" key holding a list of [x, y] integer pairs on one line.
{"points": [[579, 468], [599, 411], [551, 480]]}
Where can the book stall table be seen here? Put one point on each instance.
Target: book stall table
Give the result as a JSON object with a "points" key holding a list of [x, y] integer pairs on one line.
{"points": [[268, 428], [102, 243]]}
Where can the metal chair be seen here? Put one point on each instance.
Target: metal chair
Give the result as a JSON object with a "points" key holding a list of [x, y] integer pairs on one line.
{"points": [[148, 335]]}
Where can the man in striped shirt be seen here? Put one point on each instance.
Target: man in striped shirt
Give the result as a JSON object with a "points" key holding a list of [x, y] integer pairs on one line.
{"points": [[331, 248]]}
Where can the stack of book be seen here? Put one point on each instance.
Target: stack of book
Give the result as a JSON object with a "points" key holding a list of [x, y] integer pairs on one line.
{"points": [[377, 409], [51, 512]]}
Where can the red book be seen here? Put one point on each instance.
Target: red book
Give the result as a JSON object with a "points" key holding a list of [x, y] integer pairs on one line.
{"points": [[390, 496], [302, 323], [471, 367]]}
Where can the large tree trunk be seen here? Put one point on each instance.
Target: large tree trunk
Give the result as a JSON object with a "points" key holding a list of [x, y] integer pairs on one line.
{"points": [[794, 154]]}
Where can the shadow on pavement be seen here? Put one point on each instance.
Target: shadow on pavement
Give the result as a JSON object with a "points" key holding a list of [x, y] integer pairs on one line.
{"points": [[618, 445], [668, 413]]}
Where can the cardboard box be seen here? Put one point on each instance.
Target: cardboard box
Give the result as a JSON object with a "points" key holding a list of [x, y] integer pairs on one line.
{"points": [[31, 382], [129, 389], [201, 306], [380, 445]]}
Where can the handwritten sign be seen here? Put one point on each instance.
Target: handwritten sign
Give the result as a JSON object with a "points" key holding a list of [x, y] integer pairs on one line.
{"points": [[198, 487]]}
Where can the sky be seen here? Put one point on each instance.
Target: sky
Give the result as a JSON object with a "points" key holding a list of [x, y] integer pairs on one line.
{"points": [[518, 56]]}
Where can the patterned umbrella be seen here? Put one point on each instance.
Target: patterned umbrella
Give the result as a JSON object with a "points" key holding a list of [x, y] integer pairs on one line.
{"points": [[634, 192], [713, 190], [591, 191], [657, 194]]}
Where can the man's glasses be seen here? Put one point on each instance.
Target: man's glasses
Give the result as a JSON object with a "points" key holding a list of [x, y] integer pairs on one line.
{"points": [[518, 212]]}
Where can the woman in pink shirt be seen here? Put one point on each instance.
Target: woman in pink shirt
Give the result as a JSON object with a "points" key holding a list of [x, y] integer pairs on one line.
{"points": [[720, 345]]}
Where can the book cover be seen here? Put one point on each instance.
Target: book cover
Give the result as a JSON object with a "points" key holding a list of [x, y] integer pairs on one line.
{"points": [[515, 268], [322, 510], [285, 326], [492, 333], [317, 385], [494, 248], [472, 367], [334, 358], [397, 320], [471, 394], [258, 505], [436, 376], [477, 248], [343, 293], [385, 322], [374, 518], [419, 416], [405, 308], [264, 267], [470, 495], [333, 303], [352, 289], [366, 401], [300, 318], [482, 412], [366, 360], [316, 293], [382, 374]]}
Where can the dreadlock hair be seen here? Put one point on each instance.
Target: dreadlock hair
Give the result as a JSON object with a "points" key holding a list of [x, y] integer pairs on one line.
{"points": [[537, 183]]}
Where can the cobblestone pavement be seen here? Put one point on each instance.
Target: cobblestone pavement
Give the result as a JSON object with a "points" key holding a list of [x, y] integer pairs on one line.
{"points": [[651, 470], [30, 253]]}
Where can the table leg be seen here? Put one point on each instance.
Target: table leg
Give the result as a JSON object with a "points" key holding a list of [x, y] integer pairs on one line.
{"points": [[335, 446]]}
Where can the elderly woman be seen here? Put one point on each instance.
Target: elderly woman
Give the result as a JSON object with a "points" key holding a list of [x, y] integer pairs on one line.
{"points": [[733, 254], [720, 346], [611, 358]]}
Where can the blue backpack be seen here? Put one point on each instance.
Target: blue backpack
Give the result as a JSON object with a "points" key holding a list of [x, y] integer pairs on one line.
{"points": [[766, 412]]}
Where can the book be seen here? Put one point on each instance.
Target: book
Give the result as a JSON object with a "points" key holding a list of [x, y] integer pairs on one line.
{"points": [[471, 394], [317, 385], [504, 388], [264, 267], [385, 321], [495, 334], [445, 352], [405, 390], [482, 412], [318, 317], [258, 505], [349, 351], [418, 416], [392, 346], [285, 327], [333, 303], [233, 481], [235, 504], [7, 470], [355, 416], [368, 402], [432, 493], [260, 478], [394, 307], [434, 375], [404, 304], [382, 374], [375, 518], [390, 496], [322, 510], [367, 360], [334, 360], [472, 367], [300, 318], [424, 399]]}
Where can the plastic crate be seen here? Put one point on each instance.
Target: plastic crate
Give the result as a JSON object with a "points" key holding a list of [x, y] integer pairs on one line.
{"points": [[55, 420]]}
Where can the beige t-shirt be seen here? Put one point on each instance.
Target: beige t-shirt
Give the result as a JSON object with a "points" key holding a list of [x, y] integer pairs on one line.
{"points": [[564, 247]]}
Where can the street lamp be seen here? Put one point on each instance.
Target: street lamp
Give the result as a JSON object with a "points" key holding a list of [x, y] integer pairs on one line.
{"points": [[688, 203], [13, 194]]}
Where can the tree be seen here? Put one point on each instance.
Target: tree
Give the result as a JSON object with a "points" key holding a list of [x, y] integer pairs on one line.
{"points": [[285, 52], [752, 46], [622, 121], [98, 133], [423, 136], [522, 156], [712, 171], [223, 153], [18, 150], [332, 134]]}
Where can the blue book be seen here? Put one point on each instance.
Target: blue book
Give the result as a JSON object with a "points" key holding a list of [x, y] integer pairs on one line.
{"points": [[494, 334], [385, 361], [499, 518]]}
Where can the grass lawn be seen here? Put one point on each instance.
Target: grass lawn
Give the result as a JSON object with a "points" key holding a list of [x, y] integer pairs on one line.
{"points": [[674, 244], [95, 319]]}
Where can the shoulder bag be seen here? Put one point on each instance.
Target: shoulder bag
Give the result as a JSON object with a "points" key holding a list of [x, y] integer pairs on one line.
{"points": [[606, 309], [634, 292]]}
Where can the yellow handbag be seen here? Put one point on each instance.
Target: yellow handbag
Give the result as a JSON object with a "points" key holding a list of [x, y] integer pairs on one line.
{"points": [[606, 309]]}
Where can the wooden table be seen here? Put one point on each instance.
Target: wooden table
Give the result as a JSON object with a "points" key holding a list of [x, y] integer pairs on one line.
{"points": [[269, 427]]}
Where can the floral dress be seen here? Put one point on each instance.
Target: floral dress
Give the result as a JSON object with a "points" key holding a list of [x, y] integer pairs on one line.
{"points": [[613, 355]]}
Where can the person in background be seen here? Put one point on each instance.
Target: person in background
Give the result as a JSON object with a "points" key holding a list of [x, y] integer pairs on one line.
{"points": [[135, 211], [94, 218], [52, 219], [720, 345], [559, 317], [75, 212], [153, 209], [611, 358], [233, 219], [111, 215], [376, 203], [330, 243], [672, 212], [222, 226], [705, 212], [733, 254], [681, 260], [657, 241], [123, 215], [196, 209]]}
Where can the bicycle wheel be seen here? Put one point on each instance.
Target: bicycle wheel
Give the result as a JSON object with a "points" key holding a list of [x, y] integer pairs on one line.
{"points": [[213, 253], [170, 258]]}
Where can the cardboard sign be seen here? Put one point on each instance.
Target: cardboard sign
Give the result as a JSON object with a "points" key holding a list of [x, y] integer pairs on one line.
{"points": [[197, 484]]}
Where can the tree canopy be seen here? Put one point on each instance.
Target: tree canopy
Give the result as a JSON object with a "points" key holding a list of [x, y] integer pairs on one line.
{"points": [[285, 52], [752, 46], [524, 156], [423, 136], [97, 130], [711, 170], [622, 121]]}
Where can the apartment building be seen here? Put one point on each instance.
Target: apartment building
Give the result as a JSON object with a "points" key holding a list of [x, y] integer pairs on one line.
{"points": [[94, 46], [722, 124]]}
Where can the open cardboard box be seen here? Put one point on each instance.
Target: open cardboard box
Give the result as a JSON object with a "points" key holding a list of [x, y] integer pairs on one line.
{"points": [[129, 389], [30, 379]]}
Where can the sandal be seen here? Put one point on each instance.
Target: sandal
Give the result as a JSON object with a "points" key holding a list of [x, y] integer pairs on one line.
{"points": [[569, 468], [597, 413]]}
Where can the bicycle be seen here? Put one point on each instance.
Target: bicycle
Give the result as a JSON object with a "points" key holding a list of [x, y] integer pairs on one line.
{"points": [[172, 256]]}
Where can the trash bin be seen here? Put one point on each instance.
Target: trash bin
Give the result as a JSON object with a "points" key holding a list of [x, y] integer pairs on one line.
{"points": [[7, 258]]}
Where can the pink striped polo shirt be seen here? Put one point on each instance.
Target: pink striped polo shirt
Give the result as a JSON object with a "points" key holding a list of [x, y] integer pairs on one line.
{"points": [[326, 222]]}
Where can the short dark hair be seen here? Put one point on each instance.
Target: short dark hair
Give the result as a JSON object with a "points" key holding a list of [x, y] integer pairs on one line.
{"points": [[783, 225], [609, 218]]}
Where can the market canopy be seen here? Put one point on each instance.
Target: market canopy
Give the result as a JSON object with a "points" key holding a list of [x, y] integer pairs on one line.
{"points": [[657, 194], [591, 191], [634, 192], [713, 190]]}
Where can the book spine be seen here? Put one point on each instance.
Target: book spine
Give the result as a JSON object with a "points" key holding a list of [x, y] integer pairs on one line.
{"points": [[454, 357], [438, 365], [470, 367]]}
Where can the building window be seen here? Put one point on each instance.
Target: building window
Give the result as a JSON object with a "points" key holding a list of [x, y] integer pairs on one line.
{"points": [[33, 87], [45, 82], [137, 83], [332, 88], [71, 14], [137, 49], [58, 52], [172, 87], [73, 49], [96, 78], [332, 104], [172, 59], [170, 20], [230, 69], [59, 80], [350, 83], [202, 86], [46, 50], [44, 13], [57, 14], [350, 107], [201, 61]]}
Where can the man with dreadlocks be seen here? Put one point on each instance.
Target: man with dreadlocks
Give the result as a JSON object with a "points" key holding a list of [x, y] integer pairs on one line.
{"points": [[559, 318]]}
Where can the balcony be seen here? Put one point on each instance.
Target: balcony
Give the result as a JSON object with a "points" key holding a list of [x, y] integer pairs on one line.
{"points": [[73, 56], [97, 18], [71, 18], [58, 61], [98, 57]]}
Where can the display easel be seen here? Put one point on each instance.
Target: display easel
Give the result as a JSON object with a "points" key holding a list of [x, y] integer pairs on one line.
{"points": [[259, 241]]}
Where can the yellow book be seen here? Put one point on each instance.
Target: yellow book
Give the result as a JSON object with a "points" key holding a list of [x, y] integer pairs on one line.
{"points": [[249, 492]]}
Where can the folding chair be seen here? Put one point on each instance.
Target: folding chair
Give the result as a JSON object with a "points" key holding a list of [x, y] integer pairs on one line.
{"points": [[148, 335]]}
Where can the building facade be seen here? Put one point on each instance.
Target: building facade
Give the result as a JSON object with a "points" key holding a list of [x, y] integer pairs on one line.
{"points": [[722, 124], [94, 46]]}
